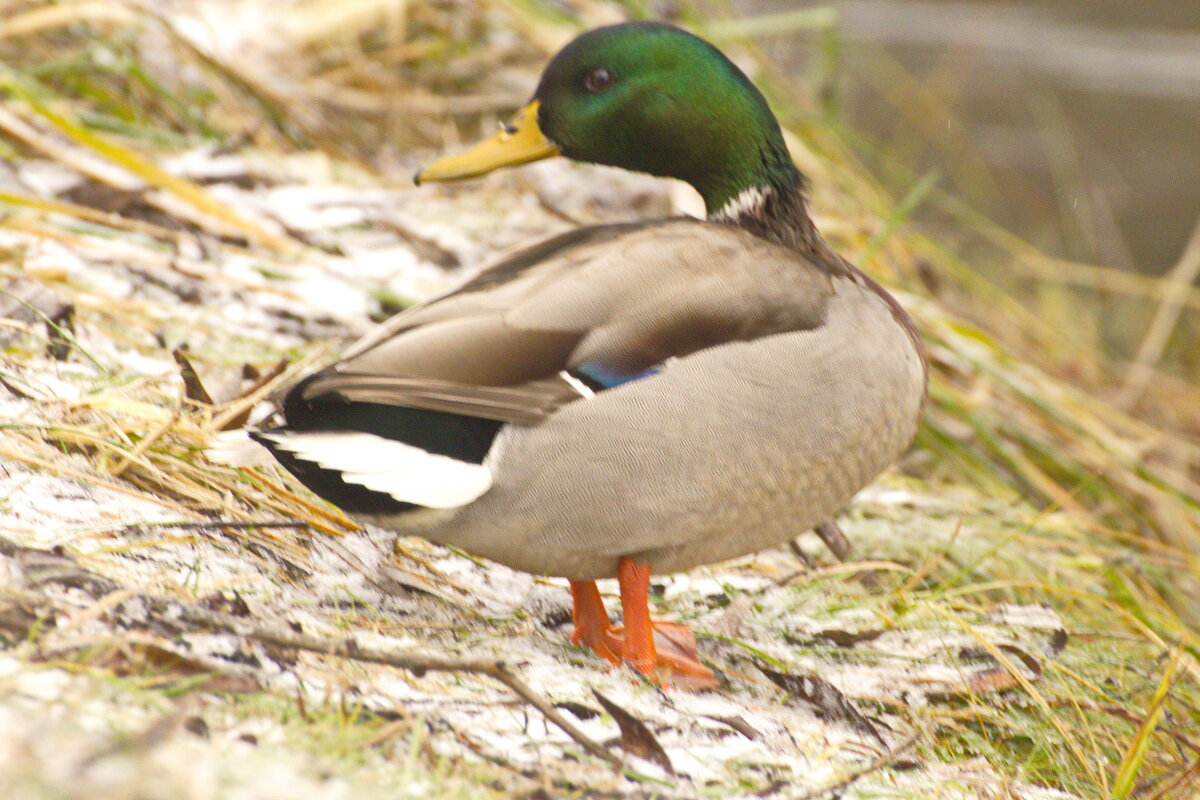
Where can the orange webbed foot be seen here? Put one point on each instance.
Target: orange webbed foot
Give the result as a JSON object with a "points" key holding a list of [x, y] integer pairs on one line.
{"points": [[665, 652]]}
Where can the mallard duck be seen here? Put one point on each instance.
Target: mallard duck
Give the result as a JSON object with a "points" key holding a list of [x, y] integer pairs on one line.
{"points": [[626, 399]]}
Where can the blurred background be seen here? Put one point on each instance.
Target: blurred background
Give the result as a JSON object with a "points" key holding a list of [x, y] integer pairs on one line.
{"points": [[1023, 174], [1076, 125]]}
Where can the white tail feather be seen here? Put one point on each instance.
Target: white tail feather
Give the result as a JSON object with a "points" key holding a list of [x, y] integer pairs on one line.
{"points": [[406, 473], [236, 449]]}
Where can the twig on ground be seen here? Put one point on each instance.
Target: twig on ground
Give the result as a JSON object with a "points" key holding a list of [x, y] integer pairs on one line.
{"points": [[55, 567], [417, 663]]}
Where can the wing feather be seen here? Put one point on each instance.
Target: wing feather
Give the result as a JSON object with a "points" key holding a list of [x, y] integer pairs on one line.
{"points": [[526, 404], [626, 298], [408, 474]]}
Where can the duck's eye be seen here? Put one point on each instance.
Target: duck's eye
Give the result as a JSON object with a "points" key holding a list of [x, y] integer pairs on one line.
{"points": [[598, 80]]}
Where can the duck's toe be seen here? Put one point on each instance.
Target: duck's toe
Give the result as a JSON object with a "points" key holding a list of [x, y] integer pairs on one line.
{"points": [[667, 657], [665, 652]]}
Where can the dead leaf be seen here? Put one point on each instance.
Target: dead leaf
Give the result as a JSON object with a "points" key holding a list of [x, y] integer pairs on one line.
{"points": [[192, 387], [997, 678], [636, 738], [840, 638], [827, 698], [170, 667], [740, 725], [578, 709]]}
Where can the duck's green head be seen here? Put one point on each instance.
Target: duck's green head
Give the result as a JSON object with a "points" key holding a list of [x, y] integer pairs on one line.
{"points": [[646, 97]]}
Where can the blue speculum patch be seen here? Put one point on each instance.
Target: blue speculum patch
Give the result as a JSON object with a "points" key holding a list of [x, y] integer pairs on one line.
{"points": [[601, 376]]}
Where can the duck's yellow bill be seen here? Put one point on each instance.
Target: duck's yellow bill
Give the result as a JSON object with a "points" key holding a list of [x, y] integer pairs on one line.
{"points": [[518, 142]]}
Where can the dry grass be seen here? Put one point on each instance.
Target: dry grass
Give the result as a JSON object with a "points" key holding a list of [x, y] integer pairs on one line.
{"points": [[1091, 473]]}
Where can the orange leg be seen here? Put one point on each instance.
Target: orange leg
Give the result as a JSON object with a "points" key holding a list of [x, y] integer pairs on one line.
{"points": [[591, 622], [638, 647], [662, 651]]}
